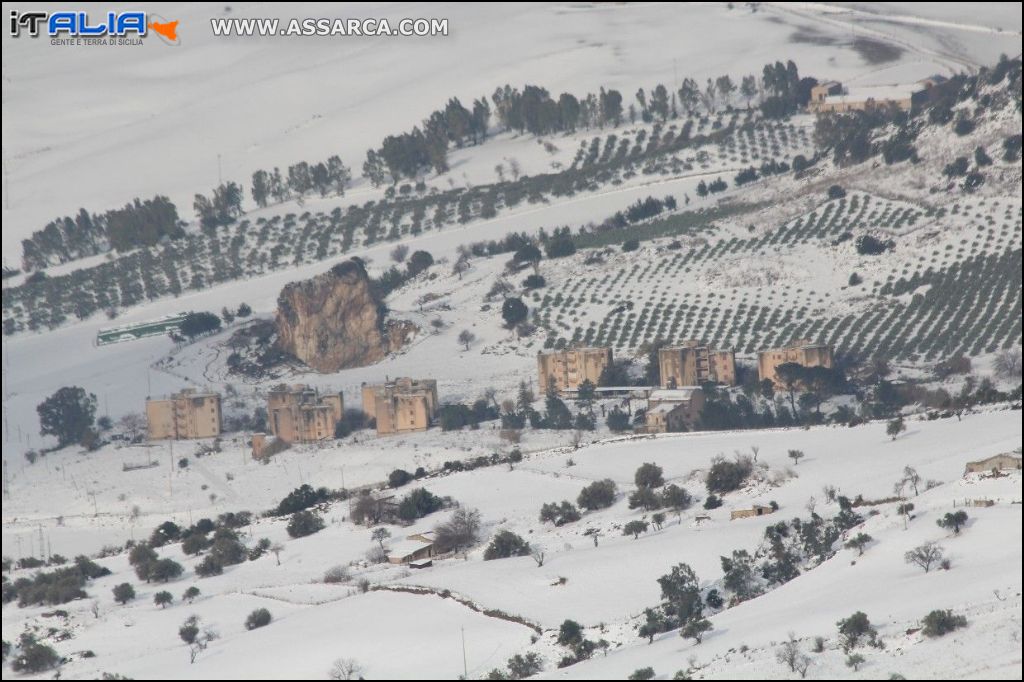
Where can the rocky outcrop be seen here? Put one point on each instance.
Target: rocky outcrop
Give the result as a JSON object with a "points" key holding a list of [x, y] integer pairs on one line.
{"points": [[335, 321]]}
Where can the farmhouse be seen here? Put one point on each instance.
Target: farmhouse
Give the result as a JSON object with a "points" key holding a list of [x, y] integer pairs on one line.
{"points": [[694, 363], [184, 415], [299, 414], [756, 510], [414, 548], [673, 410], [996, 463], [833, 97], [566, 370], [402, 405], [800, 351]]}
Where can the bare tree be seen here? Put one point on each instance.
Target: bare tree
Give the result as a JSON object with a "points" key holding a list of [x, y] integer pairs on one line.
{"points": [[910, 478], [345, 669], [379, 535], [276, 549], [1007, 364], [789, 654], [925, 556], [134, 425], [538, 555]]}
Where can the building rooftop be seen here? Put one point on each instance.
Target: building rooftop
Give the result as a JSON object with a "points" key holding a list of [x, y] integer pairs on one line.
{"points": [[674, 395], [404, 548], [878, 93]]}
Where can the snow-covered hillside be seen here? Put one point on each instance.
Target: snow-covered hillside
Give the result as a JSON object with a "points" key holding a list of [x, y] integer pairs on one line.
{"points": [[894, 238], [604, 587]]}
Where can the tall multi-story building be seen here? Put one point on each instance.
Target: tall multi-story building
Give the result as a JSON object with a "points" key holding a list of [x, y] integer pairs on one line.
{"points": [[401, 405], [694, 363], [565, 370], [184, 415], [300, 414], [799, 351]]}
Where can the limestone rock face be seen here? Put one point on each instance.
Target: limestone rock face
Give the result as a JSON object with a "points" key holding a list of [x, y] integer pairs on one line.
{"points": [[334, 321]]}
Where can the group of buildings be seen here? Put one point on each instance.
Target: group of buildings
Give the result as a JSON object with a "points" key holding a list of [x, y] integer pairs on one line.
{"points": [[302, 414], [834, 97], [676, 404], [298, 413]]}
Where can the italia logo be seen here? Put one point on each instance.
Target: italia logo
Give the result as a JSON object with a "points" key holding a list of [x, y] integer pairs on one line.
{"points": [[81, 25]]}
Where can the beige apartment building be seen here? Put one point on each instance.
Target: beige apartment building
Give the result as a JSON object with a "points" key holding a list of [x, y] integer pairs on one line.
{"points": [[673, 410], [800, 351], [300, 414], [693, 363], [184, 415], [566, 370], [402, 405]]}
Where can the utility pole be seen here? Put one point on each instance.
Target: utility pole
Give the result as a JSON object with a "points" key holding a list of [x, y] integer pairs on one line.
{"points": [[465, 669]]}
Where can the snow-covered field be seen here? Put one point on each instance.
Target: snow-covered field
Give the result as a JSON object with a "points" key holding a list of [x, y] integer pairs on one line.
{"points": [[604, 587], [174, 120]]}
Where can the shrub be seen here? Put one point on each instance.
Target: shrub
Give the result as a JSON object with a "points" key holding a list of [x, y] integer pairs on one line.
{"points": [[34, 657], [301, 498], [534, 282], [123, 593], [635, 528], [194, 543], [855, 630], [165, 570], [649, 475], [712, 502], [559, 514], [597, 495], [304, 523], [618, 420], [418, 504], [953, 521], [941, 622], [209, 566], [189, 630], [257, 619], [570, 633], [642, 674], [725, 476], [398, 478], [506, 544], [336, 574], [695, 629]]}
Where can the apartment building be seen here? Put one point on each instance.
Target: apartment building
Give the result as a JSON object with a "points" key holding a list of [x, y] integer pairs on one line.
{"points": [[800, 351], [566, 370], [184, 415], [694, 363], [300, 414], [402, 405]]}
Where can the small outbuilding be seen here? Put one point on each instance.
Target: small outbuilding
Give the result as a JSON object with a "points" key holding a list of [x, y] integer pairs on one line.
{"points": [[756, 510], [994, 464], [415, 549]]}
